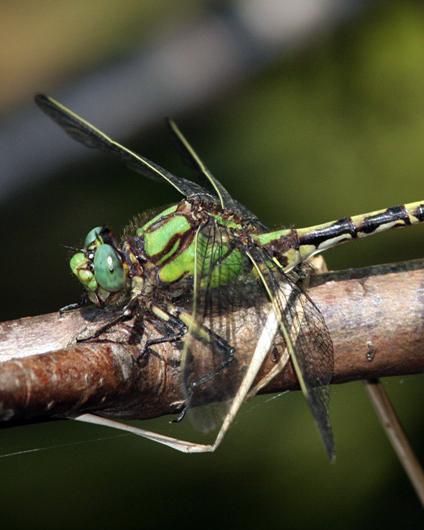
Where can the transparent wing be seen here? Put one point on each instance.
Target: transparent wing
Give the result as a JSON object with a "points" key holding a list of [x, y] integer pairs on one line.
{"points": [[225, 199], [85, 133], [235, 288], [216, 356], [306, 337]]}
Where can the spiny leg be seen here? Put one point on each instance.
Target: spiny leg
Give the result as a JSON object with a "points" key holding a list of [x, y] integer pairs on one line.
{"points": [[126, 313], [179, 323], [176, 330], [69, 307], [76, 305], [206, 335]]}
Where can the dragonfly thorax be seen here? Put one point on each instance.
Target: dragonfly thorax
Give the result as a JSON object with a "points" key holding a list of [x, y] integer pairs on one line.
{"points": [[166, 245]]}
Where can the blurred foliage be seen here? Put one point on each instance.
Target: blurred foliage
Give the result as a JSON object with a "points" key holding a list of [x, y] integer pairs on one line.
{"points": [[333, 130]]}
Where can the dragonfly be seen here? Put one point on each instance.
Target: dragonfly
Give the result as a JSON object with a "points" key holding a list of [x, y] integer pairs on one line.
{"points": [[189, 267]]}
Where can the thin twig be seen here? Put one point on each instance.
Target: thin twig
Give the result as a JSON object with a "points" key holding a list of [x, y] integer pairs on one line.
{"points": [[400, 443]]}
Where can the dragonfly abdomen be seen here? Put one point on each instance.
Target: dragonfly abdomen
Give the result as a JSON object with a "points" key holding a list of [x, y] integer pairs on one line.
{"points": [[298, 245], [327, 235]]}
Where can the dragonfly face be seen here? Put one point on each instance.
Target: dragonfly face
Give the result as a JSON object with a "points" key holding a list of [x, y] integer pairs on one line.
{"points": [[100, 267]]}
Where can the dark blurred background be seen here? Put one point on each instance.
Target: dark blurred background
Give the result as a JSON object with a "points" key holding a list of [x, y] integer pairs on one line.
{"points": [[307, 111]]}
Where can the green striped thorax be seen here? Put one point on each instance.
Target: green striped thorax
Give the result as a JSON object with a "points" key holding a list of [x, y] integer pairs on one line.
{"points": [[169, 244]]}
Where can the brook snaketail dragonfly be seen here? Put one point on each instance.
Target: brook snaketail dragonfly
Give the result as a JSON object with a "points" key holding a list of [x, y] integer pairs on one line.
{"points": [[212, 253]]}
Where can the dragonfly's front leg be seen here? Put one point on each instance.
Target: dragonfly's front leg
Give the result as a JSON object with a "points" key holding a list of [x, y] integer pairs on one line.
{"points": [[76, 305], [126, 313], [262, 347]]}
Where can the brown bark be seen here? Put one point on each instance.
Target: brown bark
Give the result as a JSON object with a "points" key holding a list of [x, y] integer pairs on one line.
{"points": [[375, 317]]}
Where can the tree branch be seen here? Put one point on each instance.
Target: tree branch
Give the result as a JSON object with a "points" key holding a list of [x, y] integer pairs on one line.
{"points": [[375, 316]]}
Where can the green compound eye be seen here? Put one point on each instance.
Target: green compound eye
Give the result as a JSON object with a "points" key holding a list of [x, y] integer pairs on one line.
{"points": [[108, 269], [92, 236]]}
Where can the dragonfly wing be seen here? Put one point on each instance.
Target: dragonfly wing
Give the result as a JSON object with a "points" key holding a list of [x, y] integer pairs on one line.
{"points": [[199, 165], [224, 197], [216, 356], [306, 336], [85, 133]]}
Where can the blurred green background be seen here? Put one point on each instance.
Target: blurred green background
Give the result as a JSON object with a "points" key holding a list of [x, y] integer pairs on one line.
{"points": [[332, 127]]}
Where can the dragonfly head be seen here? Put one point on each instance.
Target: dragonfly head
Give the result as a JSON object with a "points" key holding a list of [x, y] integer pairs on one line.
{"points": [[100, 267]]}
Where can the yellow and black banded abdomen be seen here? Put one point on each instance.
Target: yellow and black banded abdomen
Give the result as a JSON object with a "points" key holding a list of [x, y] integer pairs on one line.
{"points": [[293, 246], [321, 237]]}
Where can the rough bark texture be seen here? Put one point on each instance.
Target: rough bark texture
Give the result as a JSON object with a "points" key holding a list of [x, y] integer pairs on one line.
{"points": [[375, 317]]}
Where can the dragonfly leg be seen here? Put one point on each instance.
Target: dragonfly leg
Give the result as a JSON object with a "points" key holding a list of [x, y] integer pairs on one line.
{"points": [[206, 335], [177, 330], [229, 354], [76, 305], [126, 313], [181, 415], [182, 321]]}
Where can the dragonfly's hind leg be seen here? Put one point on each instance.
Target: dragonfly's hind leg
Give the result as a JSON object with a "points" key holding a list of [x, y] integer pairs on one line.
{"points": [[176, 333], [219, 344], [179, 321], [228, 354]]}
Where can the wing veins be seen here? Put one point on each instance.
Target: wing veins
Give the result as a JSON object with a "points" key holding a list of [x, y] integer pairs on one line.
{"points": [[314, 389], [90, 136], [219, 189]]}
